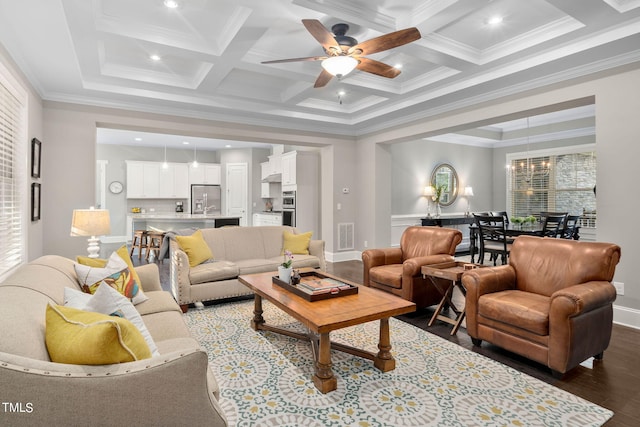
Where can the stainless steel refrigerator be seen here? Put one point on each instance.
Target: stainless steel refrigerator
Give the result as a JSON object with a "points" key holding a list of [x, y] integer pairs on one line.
{"points": [[206, 199]]}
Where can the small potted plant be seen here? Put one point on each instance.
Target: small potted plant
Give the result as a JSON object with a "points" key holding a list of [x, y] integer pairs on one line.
{"points": [[517, 220], [284, 269]]}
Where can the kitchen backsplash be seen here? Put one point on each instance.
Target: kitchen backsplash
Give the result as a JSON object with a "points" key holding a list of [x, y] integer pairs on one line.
{"points": [[158, 205]]}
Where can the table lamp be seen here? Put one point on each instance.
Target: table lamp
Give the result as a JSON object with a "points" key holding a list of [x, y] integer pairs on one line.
{"points": [[91, 222], [468, 193], [429, 192]]}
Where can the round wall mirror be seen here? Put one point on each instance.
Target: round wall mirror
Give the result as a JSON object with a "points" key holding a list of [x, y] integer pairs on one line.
{"points": [[444, 176]]}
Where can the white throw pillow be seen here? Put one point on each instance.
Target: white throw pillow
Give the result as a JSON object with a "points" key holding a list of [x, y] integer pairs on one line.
{"points": [[107, 300]]}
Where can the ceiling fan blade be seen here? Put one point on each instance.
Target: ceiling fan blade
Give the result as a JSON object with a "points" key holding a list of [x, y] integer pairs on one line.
{"points": [[376, 67], [320, 33], [387, 41], [324, 78], [307, 58]]}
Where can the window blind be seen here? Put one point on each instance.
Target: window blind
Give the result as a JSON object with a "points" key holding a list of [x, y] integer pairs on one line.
{"points": [[12, 171], [560, 182]]}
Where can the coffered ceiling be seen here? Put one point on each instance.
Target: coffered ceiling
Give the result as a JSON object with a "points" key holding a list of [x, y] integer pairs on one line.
{"points": [[98, 52]]}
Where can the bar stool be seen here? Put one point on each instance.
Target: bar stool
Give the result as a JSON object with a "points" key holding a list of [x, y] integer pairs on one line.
{"points": [[154, 242], [139, 241]]}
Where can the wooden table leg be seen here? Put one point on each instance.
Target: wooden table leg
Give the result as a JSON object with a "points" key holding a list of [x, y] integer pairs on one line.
{"points": [[323, 377], [257, 320], [384, 360], [446, 297]]}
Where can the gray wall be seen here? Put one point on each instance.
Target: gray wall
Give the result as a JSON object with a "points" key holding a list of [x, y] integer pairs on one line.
{"points": [[413, 163]]}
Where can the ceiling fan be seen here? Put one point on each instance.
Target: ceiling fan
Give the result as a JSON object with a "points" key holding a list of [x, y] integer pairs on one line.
{"points": [[344, 53]]}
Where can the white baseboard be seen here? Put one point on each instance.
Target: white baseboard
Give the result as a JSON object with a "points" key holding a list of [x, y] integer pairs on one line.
{"points": [[626, 316], [343, 256]]}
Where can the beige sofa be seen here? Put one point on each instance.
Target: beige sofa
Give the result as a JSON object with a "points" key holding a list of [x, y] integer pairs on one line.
{"points": [[236, 251], [175, 388]]}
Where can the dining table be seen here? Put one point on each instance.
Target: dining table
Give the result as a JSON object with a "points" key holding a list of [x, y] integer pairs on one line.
{"points": [[511, 230]]}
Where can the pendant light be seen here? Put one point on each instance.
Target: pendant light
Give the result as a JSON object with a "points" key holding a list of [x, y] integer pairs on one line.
{"points": [[195, 157], [165, 165]]}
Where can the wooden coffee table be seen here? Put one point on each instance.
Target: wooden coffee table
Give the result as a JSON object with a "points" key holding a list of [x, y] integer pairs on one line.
{"points": [[322, 317]]}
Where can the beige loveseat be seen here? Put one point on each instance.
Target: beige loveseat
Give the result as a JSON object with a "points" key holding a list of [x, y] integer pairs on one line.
{"points": [[236, 251], [174, 388]]}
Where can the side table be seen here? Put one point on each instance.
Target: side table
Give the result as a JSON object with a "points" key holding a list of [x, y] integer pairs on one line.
{"points": [[452, 272]]}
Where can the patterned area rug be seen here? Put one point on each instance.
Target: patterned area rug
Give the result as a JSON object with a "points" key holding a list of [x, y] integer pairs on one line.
{"points": [[265, 379]]}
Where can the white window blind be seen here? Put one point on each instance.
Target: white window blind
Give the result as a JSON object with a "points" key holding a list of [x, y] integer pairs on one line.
{"points": [[552, 181], [12, 173]]}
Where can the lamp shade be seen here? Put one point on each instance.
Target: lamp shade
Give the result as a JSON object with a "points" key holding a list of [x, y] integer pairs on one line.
{"points": [[429, 191], [339, 65], [468, 191], [90, 222]]}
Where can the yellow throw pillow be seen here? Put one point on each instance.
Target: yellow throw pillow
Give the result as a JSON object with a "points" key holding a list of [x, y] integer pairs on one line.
{"points": [[297, 243], [85, 338], [195, 247], [101, 263]]}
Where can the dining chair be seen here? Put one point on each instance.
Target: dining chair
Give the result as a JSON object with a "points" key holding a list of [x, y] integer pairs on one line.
{"points": [[553, 223], [571, 227], [502, 214], [493, 239]]}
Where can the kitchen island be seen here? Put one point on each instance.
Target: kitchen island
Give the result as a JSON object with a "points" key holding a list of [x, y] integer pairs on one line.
{"points": [[176, 221]]}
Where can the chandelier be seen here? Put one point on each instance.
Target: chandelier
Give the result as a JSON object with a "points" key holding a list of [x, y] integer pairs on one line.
{"points": [[524, 171]]}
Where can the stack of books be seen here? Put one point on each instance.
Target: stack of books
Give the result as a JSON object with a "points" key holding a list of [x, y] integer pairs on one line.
{"points": [[316, 286]]}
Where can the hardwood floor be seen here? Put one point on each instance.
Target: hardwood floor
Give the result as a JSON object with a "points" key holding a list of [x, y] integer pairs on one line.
{"points": [[613, 383]]}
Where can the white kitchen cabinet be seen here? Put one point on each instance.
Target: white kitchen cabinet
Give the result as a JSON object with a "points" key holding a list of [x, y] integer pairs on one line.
{"points": [[174, 181], [289, 171], [265, 170], [275, 164], [143, 180], [205, 173], [149, 180], [270, 190], [261, 219]]}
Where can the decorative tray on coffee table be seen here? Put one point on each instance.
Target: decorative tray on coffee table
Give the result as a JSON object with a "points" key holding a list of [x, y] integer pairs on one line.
{"points": [[316, 286]]}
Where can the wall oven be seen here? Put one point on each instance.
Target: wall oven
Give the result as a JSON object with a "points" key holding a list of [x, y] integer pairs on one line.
{"points": [[289, 217]]}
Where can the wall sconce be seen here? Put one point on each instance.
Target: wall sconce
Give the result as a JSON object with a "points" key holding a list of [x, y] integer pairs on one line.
{"points": [[429, 192], [468, 193], [91, 222]]}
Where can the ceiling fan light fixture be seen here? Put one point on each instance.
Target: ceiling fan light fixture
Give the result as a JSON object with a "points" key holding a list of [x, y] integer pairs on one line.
{"points": [[339, 65]]}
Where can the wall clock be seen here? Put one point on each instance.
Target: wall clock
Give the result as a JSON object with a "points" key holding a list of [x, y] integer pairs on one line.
{"points": [[116, 187]]}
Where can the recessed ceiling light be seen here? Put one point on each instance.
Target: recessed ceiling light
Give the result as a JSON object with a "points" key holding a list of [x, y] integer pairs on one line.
{"points": [[185, 142], [495, 20], [155, 57], [228, 146], [171, 4], [138, 139], [397, 66]]}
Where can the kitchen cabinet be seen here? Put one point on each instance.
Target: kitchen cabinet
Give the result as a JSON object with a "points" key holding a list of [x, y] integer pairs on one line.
{"points": [[143, 180], [270, 190], [275, 164], [289, 171], [149, 180], [261, 219], [174, 181], [205, 173]]}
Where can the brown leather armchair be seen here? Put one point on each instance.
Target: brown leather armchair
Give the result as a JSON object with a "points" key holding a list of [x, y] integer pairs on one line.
{"points": [[397, 270], [552, 303]]}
